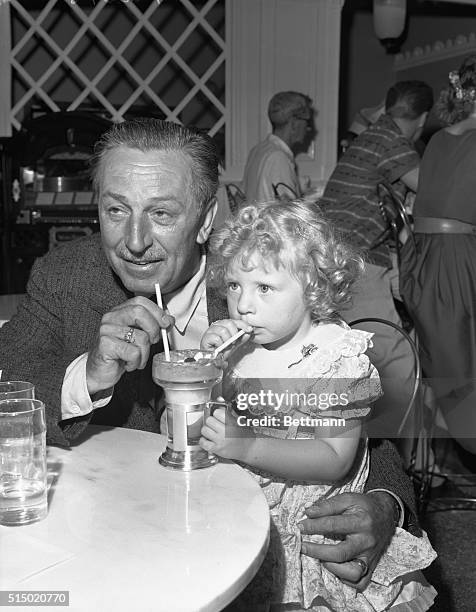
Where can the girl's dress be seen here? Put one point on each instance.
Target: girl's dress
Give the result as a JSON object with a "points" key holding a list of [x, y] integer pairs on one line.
{"points": [[329, 378]]}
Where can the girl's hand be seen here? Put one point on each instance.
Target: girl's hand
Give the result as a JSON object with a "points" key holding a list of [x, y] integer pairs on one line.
{"points": [[222, 436], [220, 331]]}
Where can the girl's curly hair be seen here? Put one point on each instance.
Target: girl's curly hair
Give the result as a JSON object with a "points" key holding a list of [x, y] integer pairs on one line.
{"points": [[295, 235], [456, 102]]}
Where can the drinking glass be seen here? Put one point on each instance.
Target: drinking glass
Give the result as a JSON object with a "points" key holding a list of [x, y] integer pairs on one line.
{"points": [[16, 389], [23, 492], [188, 385]]}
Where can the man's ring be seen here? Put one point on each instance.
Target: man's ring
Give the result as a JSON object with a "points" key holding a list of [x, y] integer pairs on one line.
{"points": [[129, 335], [363, 566]]}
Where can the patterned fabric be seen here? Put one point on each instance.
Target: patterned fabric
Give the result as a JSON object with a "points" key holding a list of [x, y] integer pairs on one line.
{"points": [[286, 576], [381, 153], [331, 362]]}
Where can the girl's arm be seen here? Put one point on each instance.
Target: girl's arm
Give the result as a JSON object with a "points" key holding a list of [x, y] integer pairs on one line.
{"points": [[323, 459]]}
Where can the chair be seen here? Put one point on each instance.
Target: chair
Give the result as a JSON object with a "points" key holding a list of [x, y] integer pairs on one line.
{"points": [[282, 191], [422, 477], [421, 485], [399, 224], [9, 305], [235, 196], [447, 500], [399, 229]]}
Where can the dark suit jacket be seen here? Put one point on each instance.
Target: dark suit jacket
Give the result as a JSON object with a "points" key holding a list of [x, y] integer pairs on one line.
{"points": [[69, 291]]}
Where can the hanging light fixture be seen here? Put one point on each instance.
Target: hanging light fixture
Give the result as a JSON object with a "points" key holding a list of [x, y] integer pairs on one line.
{"points": [[389, 22]]}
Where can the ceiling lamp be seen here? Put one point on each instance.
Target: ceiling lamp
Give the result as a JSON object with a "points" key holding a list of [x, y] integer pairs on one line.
{"points": [[389, 22]]}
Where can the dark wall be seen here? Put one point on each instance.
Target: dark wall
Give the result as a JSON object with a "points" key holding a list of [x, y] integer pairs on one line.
{"points": [[367, 71]]}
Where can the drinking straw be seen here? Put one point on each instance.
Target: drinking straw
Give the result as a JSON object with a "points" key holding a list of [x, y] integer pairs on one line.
{"points": [[228, 342], [163, 331]]}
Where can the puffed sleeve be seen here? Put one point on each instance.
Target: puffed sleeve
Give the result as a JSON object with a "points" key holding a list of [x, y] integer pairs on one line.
{"points": [[340, 379]]}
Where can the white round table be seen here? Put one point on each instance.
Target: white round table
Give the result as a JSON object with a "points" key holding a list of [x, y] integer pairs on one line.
{"points": [[124, 533]]}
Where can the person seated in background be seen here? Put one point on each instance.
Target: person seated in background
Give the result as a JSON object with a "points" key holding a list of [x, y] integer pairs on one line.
{"points": [[272, 161], [385, 153], [89, 326], [438, 280]]}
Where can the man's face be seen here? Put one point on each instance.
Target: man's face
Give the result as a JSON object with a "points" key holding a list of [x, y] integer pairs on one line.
{"points": [[150, 225], [303, 129]]}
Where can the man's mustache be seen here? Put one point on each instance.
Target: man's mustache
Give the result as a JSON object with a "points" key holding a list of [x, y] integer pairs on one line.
{"points": [[151, 258]]}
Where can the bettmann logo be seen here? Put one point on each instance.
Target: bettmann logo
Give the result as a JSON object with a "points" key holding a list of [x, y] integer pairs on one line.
{"points": [[287, 420]]}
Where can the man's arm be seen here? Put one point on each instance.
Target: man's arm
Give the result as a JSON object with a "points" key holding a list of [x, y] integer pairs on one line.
{"points": [[387, 472], [32, 348], [411, 179]]}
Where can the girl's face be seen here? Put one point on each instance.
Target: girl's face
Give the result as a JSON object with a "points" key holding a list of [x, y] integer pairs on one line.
{"points": [[271, 300]]}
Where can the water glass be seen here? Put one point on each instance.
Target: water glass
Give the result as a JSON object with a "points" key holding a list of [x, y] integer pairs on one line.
{"points": [[17, 389], [23, 474]]}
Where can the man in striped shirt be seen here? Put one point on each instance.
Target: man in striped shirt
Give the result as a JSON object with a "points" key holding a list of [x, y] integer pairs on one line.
{"points": [[383, 153]]}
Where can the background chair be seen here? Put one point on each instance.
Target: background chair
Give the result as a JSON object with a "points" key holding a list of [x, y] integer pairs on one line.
{"points": [[399, 229], [399, 223], [415, 407], [423, 472], [282, 191], [8, 306], [235, 196]]}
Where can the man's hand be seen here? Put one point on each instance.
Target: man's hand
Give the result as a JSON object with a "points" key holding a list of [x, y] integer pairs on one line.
{"points": [[123, 342], [366, 524]]}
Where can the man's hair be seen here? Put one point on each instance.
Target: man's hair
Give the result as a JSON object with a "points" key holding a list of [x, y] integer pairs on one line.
{"points": [[294, 235], [287, 104], [408, 99], [148, 134]]}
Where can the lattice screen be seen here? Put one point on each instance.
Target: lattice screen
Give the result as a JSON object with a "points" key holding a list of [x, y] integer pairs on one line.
{"points": [[163, 57]]}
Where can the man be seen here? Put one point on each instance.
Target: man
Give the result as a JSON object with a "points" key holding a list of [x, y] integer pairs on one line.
{"points": [[271, 168], [384, 153], [87, 330], [362, 120]]}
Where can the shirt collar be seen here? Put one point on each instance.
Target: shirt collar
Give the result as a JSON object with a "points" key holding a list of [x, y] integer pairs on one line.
{"points": [[281, 144], [183, 302], [388, 121]]}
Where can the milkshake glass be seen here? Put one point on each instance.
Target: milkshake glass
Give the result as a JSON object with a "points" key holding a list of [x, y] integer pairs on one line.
{"points": [[187, 380]]}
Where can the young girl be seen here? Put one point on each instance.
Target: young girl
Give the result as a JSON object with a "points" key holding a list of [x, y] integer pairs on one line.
{"points": [[302, 385]]}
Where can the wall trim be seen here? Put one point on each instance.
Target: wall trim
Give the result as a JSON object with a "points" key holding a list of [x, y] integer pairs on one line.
{"points": [[463, 43]]}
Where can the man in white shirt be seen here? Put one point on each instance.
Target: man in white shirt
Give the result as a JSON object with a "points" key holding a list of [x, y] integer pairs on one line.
{"points": [[88, 328], [271, 168]]}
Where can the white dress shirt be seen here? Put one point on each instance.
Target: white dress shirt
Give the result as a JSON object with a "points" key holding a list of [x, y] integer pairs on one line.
{"points": [[270, 162]]}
